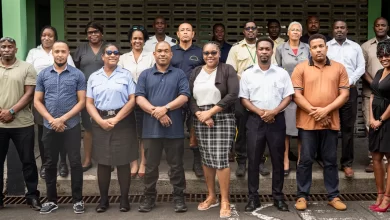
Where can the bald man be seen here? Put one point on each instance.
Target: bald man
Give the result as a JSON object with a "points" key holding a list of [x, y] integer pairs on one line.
{"points": [[165, 129], [187, 56]]}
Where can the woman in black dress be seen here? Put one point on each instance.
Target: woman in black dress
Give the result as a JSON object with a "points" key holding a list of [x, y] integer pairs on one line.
{"points": [[379, 134]]}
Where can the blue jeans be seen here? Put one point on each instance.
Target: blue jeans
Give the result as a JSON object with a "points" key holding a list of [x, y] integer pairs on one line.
{"points": [[326, 141]]}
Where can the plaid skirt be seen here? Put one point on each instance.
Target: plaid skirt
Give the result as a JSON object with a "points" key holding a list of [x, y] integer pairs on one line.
{"points": [[216, 142]]}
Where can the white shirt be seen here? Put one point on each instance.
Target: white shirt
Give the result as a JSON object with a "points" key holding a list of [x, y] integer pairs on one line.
{"points": [[265, 89], [205, 92], [41, 60], [349, 54], [150, 44], [145, 61]]}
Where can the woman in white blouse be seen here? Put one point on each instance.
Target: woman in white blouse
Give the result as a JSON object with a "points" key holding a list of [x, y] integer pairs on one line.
{"points": [[41, 58], [136, 61]]}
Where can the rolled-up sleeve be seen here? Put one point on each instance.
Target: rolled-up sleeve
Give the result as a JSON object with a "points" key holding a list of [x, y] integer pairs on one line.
{"points": [[232, 89]]}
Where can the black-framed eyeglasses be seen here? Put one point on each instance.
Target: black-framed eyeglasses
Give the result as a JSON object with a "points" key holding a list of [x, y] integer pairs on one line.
{"points": [[138, 27], [94, 32], [213, 53], [253, 28], [109, 52], [9, 39]]}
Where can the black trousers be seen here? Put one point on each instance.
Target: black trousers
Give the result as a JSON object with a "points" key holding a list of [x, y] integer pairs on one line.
{"points": [[240, 147], [327, 142], [348, 114], [23, 139], [260, 134], [42, 148], [54, 142], [174, 150]]}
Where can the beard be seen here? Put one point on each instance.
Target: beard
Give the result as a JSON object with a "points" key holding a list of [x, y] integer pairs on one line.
{"points": [[60, 64], [264, 61]]}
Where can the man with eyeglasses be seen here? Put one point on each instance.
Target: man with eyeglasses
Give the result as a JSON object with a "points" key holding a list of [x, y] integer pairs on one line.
{"points": [[187, 56], [17, 84], [59, 98], [242, 56], [349, 54], [313, 27], [161, 92], [159, 27]]}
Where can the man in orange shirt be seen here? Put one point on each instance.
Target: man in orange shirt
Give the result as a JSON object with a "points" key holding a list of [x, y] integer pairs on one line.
{"points": [[321, 88]]}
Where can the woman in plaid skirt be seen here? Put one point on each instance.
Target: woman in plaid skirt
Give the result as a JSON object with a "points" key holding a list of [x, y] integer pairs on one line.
{"points": [[214, 88]]}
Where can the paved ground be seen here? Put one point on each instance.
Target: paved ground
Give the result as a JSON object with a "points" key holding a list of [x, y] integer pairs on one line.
{"points": [[316, 211]]}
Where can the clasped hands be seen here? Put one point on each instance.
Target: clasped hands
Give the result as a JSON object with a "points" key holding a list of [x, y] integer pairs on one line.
{"points": [[160, 113], [58, 124], [205, 117], [375, 124], [321, 115], [6, 116], [108, 124]]}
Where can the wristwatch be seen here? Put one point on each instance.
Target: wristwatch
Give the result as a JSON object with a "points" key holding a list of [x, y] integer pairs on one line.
{"points": [[12, 112], [168, 108]]}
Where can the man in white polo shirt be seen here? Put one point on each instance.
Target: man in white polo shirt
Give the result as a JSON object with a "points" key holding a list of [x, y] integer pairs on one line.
{"points": [[159, 26]]}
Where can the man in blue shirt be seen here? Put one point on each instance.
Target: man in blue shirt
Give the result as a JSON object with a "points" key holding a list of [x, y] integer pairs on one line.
{"points": [[161, 92], [187, 56], [59, 98]]}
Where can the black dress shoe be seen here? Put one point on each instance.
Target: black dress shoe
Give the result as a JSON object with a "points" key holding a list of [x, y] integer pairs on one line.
{"points": [[281, 205], [34, 204], [147, 204], [286, 172], [124, 205], [252, 205], [180, 205], [85, 169], [102, 207], [64, 171], [42, 172], [241, 170]]}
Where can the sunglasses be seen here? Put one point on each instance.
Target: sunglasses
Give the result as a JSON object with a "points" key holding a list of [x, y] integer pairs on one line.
{"points": [[109, 52], [213, 53], [138, 27], [11, 40], [95, 32], [383, 56], [253, 28]]}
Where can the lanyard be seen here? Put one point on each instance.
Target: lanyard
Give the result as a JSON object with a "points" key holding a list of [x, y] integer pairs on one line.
{"points": [[253, 58]]}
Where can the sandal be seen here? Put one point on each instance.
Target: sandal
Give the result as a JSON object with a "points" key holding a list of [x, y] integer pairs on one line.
{"points": [[207, 204], [372, 207], [225, 211]]}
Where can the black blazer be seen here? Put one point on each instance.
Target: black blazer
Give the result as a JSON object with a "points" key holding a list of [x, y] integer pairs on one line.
{"points": [[226, 82]]}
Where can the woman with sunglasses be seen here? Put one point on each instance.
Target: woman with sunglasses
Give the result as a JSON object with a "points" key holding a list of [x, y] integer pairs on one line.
{"points": [[110, 102], [288, 55], [214, 88], [136, 61], [41, 58], [87, 58], [379, 133]]}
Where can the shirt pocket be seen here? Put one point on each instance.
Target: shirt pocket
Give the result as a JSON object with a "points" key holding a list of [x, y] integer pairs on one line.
{"points": [[242, 56], [278, 89], [70, 85], [121, 85]]}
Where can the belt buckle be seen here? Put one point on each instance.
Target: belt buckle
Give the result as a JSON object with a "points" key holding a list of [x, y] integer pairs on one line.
{"points": [[110, 112]]}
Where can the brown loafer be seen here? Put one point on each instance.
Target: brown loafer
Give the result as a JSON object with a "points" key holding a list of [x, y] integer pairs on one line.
{"points": [[369, 168], [337, 204], [348, 172]]}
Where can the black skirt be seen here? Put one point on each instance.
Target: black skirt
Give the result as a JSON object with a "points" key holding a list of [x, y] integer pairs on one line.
{"points": [[118, 146]]}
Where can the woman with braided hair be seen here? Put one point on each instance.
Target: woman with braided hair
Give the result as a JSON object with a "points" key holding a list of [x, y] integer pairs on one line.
{"points": [[379, 133]]}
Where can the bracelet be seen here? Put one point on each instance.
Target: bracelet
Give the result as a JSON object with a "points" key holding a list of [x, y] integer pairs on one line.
{"points": [[380, 120]]}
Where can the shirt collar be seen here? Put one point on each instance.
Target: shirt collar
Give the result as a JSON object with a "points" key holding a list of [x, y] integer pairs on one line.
{"points": [[16, 64], [244, 43], [154, 69], [333, 41], [118, 69], [375, 40], [257, 69], [311, 62], [54, 70], [179, 48]]}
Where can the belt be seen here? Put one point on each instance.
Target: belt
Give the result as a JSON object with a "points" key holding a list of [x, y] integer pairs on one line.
{"points": [[105, 113]]}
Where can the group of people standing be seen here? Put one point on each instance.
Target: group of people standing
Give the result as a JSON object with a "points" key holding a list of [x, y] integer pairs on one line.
{"points": [[136, 105]]}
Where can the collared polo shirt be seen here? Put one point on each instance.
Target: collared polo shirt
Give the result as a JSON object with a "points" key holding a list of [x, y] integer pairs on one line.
{"points": [[60, 92], [150, 44], [279, 41], [12, 82], [241, 56], [187, 60], [265, 89], [40, 59], [225, 48], [372, 62], [320, 86], [160, 89], [349, 54], [110, 92], [286, 58], [145, 61]]}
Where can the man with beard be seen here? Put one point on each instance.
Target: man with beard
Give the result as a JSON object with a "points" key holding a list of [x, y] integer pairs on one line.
{"points": [[381, 27], [349, 54], [273, 27], [161, 92], [241, 56], [313, 27], [59, 98], [159, 27], [17, 83], [265, 90], [187, 56], [321, 88], [219, 37]]}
